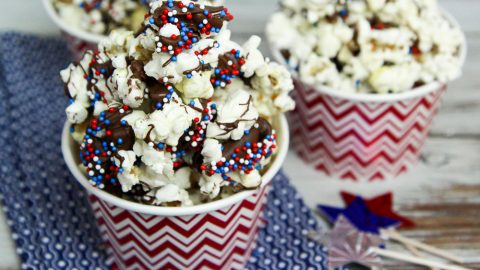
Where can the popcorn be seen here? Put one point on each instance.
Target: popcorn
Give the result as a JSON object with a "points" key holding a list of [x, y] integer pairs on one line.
{"points": [[101, 16], [176, 110], [356, 46]]}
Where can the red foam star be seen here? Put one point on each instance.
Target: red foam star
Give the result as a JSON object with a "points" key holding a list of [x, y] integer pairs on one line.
{"points": [[382, 206]]}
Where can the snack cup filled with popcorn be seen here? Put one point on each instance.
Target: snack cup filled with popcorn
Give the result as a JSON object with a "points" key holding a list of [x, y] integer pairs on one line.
{"points": [[369, 77], [176, 132]]}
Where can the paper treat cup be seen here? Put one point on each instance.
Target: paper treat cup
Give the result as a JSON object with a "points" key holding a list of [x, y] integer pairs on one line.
{"points": [[78, 41], [363, 136], [215, 235], [358, 139]]}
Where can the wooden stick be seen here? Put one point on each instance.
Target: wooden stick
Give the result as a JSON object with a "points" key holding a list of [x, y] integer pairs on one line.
{"points": [[422, 246], [415, 260], [417, 253]]}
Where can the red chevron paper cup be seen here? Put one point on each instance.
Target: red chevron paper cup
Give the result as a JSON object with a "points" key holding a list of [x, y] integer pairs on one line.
{"points": [[215, 235], [78, 41], [362, 138]]}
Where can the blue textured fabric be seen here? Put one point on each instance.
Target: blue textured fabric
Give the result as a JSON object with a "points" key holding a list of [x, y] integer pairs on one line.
{"points": [[47, 210]]}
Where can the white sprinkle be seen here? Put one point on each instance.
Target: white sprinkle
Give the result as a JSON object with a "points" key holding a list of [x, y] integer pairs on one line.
{"points": [[205, 21], [256, 125], [157, 38], [223, 159], [187, 138], [232, 161], [150, 144], [174, 149], [165, 79], [91, 173], [184, 9], [90, 165], [190, 133], [194, 144], [102, 171], [170, 47], [229, 62], [98, 167], [121, 111], [170, 14]]}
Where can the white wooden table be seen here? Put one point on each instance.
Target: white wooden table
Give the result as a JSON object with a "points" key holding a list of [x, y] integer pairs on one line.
{"points": [[442, 195]]}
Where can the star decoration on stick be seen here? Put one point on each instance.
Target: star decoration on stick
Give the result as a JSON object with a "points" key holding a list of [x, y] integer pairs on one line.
{"points": [[360, 216], [381, 205], [349, 245]]}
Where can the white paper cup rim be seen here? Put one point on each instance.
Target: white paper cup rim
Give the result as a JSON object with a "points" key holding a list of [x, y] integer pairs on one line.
{"points": [[379, 98], [71, 30], [280, 124]]}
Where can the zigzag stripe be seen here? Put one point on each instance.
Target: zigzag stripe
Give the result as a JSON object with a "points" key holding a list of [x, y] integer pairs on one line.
{"points": [[219, 240], [357, 140], [184, 243], [401, 110], [240, 241]]}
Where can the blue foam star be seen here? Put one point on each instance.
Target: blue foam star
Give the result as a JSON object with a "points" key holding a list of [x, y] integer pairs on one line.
{"points": [[359, 215]]}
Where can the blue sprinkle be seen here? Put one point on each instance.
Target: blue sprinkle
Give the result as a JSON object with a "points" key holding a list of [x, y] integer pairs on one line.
{"points": [[202, 62], [192, 103], [180, 43], [191, 5], [71, 101], [151, 20], [174, 58], [120, 170], [97, 152], [123, 122], [194, 40], [213, 106], [159, 105], [206, 118], [103, 70], [72, 129], [247, 132], [185, 38], [102, 114], [200, 25], [168, 96], [101, 119], [161, 146], [205, 12], [107, 122], [248, 144], [222, 13], [189, 75], [114, 148], [234, 155]]}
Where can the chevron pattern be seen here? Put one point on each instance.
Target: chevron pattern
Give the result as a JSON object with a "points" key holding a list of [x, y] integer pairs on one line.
{"points": [[361, 140], [223, 239]]}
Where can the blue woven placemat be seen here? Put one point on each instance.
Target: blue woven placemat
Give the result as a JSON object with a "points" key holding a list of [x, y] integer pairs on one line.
{"points": [[48, 212]]}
